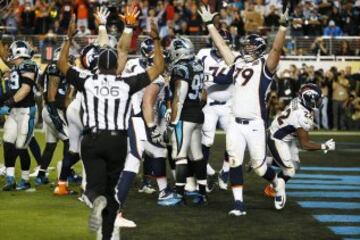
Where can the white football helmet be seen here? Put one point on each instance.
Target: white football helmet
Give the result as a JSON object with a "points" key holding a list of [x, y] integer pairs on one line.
{"points": [[20, 49], [181, 48]]}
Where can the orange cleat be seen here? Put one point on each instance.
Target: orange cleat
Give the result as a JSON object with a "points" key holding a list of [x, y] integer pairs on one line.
{"points": [[269, 191], [61, 189]]}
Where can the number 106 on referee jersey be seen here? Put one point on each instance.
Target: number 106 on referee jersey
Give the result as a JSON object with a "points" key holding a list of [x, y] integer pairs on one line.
{"points": [[107, 91]]}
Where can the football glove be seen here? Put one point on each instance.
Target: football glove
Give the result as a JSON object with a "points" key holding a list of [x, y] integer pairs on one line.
{"points": [[4, 110], [154, 134], [329, 145], [55, 118], [168, 132], [101, 15], [205, 14], [130, 16], [167, 115], [284, 18]]}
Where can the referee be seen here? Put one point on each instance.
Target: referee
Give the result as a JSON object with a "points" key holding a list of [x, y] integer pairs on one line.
{"points": [[106, 104]]}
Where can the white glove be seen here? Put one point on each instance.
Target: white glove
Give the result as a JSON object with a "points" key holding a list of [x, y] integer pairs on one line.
{"points": [[167, 115], [206, 15], [101, 15], [284, 18], [329, 145]]}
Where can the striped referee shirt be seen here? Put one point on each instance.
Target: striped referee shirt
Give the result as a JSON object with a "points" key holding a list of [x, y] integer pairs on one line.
{"points": [[106, 100]]}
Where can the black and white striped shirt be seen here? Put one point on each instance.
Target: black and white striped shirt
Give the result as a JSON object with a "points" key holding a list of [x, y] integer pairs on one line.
{"points": [[106, 100]]}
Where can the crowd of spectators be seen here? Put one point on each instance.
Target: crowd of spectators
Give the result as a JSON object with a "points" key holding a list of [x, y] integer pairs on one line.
{"points": [[309, 17], [341, 90]]}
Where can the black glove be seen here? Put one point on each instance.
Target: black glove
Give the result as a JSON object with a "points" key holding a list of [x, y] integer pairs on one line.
{"points": [[55, 118], [168, 132], [154, 134]]}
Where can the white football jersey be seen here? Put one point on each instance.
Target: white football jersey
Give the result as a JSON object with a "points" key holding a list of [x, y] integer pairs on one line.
{"points": [[295, 116], [133, 67], [251, 86], [214, 67]]}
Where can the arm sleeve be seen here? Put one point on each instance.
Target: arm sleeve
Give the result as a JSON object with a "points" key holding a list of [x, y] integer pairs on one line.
{"points": [[225, 79], [137, 82], [77, 78]]}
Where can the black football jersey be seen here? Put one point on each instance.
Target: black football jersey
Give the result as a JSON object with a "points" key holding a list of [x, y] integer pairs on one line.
{"points": [[52, 70], [16, 80], [192, 72]]}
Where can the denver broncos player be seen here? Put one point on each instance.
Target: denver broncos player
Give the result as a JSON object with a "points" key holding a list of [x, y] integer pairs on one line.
{"points": [[19, 126], [291, 124], [248, 116], [184, 130], [218, 86], [55, 126]]}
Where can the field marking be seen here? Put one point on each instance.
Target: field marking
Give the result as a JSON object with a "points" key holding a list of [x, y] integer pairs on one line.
{"points": [[348, 178], [322, 194], [351, 239], [322, 133], [332, 169], [324, 182], [321, 187], [330, 205], [338, 218], [351, 230]]}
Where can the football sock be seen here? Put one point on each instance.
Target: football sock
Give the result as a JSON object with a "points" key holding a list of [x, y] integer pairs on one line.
{"points": [[209, 170], [200, 174], [206, 152], [238, 193], [171, 161], [35, 150], [190, 168], [70, 159], [122, 189], [270, 174], [161, 182], [24, 159], [159, 168], [25, 175], [10, 155], [148, 166], [46, 157], [236, 176], [286, 178], [10, 171], [181, 173], [66, 147]]}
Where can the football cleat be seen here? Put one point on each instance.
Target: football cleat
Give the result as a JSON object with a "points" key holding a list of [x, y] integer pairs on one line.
{"points": [[239, 209], [35, 172], [200, 199], [95, 219], [223, 180], [146, 188], [178, 200], [41, 180], [168, 198], [61, 190], [23, 185], [269, 191], [280, 198], [2, 170], [211, 182], [121, 222], [74, 178], [10, 184]]}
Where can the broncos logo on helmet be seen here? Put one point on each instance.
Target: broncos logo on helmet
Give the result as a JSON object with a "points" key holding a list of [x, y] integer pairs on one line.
{"points": [[89, 57], [252, 47]]}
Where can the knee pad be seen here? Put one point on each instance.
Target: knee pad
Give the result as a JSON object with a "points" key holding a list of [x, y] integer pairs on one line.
{"points": [[260, 170], [290, 172], [234, 162]]}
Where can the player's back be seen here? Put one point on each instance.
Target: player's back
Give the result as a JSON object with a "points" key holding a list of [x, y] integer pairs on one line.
{"points": [[215, 68], [294, 116], [52, 71], [192, 72], [251, 85]]}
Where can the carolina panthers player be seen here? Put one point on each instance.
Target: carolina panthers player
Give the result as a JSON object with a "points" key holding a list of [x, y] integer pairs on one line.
{"points": [[248, 116], [19, 126], [294, 122], [144, 133], [218, 85], [55, 126], [184, 130]]}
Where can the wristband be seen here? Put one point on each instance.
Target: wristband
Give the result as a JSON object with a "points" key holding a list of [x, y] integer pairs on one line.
{"points": [[323, 146], [210, 25], [150, 125], [283, 28], [128, 30], [102, 27]]}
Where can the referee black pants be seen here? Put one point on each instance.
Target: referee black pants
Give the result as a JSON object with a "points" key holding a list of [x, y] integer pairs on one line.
{"points": [[104, 156]]}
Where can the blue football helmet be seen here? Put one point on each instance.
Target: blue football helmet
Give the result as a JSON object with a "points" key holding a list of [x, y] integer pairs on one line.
{"points": [[252, 47], [89, 57], [310, 96]]}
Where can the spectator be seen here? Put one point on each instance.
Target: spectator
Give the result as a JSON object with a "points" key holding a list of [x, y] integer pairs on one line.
{"points": [[195, 22], [238, 22], [340, 87], [276, 3], [353, 111], [82, 13], [286, 87], [297, 22], [42, 17], [259, 7], [252, 20], [345, 49], [273, 18], [83, 31], [312, 24], [152, 16], [164, 30], [66, 13], [323, 83], [318, 47], [332, 30], [28, 19]]}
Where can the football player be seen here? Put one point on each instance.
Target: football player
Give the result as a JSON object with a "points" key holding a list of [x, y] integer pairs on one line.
{"points": [[184, 130], [218, 85], [19, 102], [252, 81], [291, 124], [55, 126]]}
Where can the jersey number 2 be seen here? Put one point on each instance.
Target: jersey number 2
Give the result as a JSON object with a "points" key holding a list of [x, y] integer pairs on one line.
{"points": [[283, 116]]}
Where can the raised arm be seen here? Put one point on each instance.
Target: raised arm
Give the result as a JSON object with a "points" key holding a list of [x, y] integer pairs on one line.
{"points": [[130, 21], [159, 63], [275, 52], [101, 16], [224, 49], [63, 62]]}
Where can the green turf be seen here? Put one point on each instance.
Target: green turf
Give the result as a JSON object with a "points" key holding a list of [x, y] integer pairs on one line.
{"points": [[40, 215]]}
